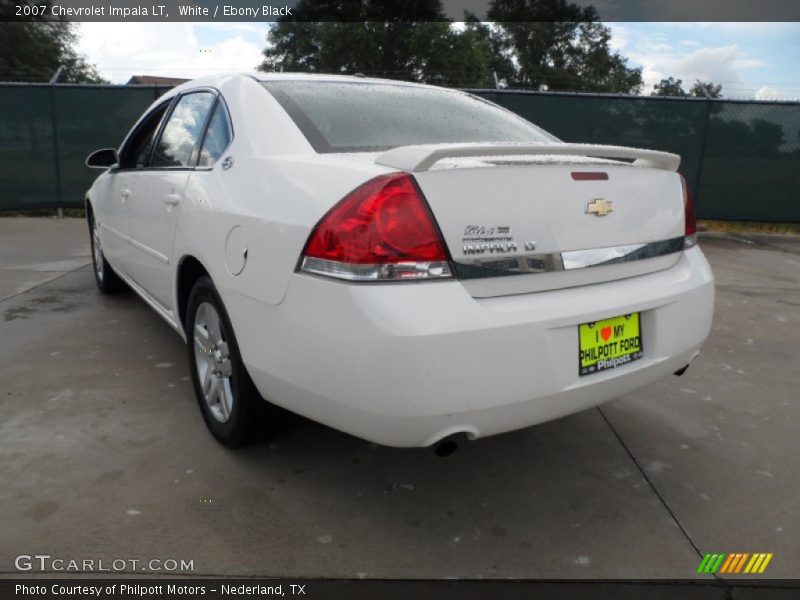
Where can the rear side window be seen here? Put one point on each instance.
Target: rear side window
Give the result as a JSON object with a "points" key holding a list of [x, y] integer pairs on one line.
{"points": [[181, 136], [218, 136], [361, 117]]}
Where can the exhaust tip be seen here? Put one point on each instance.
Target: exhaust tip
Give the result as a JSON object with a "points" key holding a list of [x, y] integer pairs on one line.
{"points": [[445, 448], [446, 441], [682, 370]]}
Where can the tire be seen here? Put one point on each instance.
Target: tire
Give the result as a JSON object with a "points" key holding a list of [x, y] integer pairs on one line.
{"points": [[108, 282], [234, 411]]}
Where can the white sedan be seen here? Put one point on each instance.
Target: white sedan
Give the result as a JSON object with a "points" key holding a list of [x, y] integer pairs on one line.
{"points": [[402, 262]]}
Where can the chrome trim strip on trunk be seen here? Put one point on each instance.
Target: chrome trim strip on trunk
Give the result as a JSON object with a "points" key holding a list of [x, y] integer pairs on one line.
{"points": [[527, 264]]}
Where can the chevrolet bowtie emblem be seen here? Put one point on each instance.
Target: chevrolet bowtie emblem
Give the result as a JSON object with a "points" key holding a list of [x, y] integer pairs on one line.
{"points": [[599, 207]]}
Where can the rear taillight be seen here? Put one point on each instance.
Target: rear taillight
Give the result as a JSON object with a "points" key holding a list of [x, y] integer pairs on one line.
{"points": [[381, 231], [690, 227]]}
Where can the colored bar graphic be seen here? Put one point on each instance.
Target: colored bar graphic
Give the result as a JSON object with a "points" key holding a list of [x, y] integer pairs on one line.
{"points": [[754, 563], [732, 567], [740, 564], [735, 563], [717, 563], [704, 563], [765, 563], [710, 563], [727, 563]]}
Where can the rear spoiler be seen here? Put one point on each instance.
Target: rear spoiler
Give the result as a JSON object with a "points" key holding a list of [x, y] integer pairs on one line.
{"points": [[423, 157]]}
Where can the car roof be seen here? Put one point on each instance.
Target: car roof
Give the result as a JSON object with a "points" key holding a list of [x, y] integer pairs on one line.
{"points": [[326, 77], [219, 79]]}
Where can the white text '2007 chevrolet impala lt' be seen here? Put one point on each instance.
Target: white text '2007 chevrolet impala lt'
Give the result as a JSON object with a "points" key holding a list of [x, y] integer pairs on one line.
{"points": [[401, 262]]}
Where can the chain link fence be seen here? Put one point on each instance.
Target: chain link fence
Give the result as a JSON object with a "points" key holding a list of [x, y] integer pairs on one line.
{"points": [[741, 158]]}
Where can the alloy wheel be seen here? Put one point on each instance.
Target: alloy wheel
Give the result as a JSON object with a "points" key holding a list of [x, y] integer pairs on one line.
{"points": [[213, 363]]}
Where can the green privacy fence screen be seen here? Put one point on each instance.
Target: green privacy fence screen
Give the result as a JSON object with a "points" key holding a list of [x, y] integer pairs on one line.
{"points": [[46, 132], [741, 158]]}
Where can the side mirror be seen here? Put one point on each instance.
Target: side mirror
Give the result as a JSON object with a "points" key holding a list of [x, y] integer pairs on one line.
{"points": [[102, 159]]}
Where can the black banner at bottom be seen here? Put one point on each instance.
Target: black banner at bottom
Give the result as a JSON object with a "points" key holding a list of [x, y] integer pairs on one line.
{"points": [[324, 589]]}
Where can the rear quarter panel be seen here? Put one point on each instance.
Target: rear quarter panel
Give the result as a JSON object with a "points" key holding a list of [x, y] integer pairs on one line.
{"points": [[275, 201], [275, 192]]}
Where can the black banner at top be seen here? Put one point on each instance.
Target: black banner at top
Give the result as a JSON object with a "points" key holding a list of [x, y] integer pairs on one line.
{"points": [[396, 10]]}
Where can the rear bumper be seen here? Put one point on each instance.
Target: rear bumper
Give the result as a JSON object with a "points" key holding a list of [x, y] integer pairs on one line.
{"points": [[409, 364]]}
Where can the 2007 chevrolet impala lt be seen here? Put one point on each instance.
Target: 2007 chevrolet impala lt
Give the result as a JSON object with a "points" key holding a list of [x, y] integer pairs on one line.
{"points": [[402, 262]]}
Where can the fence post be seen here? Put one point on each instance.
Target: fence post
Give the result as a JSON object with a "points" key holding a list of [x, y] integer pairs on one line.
{"points": [[56, 151]]}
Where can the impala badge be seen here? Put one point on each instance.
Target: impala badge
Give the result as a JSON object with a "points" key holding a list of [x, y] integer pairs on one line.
{"points": [[599, 207], [483, 239]]}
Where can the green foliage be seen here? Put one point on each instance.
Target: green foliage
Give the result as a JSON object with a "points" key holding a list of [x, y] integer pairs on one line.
{"points": [[33, 51], [394, 46], [558, 45], [674, 87], [669, 87], [533, 44], [706, 89], [426, 52]]}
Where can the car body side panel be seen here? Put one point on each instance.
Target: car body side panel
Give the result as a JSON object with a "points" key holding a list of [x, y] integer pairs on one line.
{"points": [[109, 196], [260, 125], [153, 216], [276, 201]]}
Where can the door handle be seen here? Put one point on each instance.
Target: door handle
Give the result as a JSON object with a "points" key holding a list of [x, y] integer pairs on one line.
{"points": [[172, 199], [125, 194]]}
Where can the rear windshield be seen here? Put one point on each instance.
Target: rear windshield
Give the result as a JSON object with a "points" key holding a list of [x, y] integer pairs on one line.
{"points": [[362, 117]]}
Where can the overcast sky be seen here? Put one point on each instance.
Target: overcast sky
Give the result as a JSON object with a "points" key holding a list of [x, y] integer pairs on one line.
{"points": [[749, 59]]}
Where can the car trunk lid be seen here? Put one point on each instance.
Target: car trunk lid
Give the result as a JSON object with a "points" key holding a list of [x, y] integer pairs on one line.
{"points": [[520, 218]]}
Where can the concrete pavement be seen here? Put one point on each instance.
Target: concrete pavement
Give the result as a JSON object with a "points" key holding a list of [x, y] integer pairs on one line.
{"points": [[35, 250], [103, 453]]}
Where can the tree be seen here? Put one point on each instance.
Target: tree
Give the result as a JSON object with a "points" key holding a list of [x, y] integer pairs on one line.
{"points": [[394, 47], [706, 89], [558, 45], [669, 87], [33, 51], [674, 87], [533, 43]]}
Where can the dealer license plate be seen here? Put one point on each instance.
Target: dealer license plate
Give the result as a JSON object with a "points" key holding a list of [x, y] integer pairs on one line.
{"points": [[609, 343]]}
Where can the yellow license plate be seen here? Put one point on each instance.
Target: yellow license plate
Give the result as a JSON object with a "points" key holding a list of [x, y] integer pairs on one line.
{"points": [[609, 343]]}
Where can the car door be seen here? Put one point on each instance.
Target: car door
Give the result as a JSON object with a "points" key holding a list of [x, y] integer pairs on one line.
{"points": [[160, 188], [112, 221], [134, 156]]}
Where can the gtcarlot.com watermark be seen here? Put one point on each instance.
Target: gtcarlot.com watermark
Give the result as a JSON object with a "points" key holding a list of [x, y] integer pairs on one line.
{"points": [[49, 564]]}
